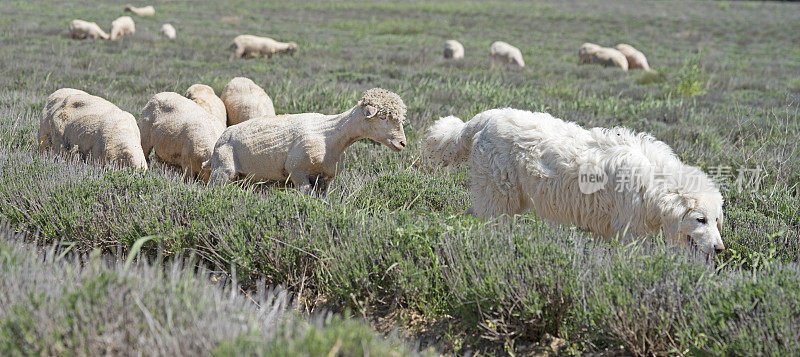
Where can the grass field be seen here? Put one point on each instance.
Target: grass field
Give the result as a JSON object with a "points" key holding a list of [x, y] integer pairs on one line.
{"points": [[390, 244]]}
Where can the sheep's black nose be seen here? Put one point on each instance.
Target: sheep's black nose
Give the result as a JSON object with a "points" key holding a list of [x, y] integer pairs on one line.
{"points": [[402, 143], [719, 248]]}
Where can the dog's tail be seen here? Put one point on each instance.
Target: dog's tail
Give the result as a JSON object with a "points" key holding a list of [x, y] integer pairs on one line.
{"points": [[448, 141]]}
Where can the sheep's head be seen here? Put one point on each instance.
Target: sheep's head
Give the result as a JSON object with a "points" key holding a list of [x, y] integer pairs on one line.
{"points": [[695, 220], [384, 112], [128, 7], [291, 47]]}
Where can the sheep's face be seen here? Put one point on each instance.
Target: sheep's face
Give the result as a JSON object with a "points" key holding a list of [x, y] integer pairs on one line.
{"points": [[385, 128], [701, 225]]}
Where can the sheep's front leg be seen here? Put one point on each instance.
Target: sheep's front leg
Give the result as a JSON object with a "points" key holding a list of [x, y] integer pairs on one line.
{"points": [[301, 182]]}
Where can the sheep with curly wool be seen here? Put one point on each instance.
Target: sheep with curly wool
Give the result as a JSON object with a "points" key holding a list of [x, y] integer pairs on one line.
{"points": [[504, 53], [148, 10], [122, 26], [181, 132], [305, 149], [606, 181], [205, 97], [79, 123], [244, 99], [256, 46], [79, 30]]}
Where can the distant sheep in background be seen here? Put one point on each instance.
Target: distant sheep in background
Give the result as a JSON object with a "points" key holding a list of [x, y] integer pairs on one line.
{"points": [[79, 123], [522, 161], [181, 132], [204, 96], [79, 29], [168, 31], [122, 26], [255, 46], [453, 50], [586, 51], [244, 100], [636, 59], [305, 148], [141, 11], [605, 56], [501, 52]]}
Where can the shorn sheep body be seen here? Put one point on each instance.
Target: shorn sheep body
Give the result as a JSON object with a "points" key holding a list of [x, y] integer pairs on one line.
{"points": [[605, 56], [141, 11], [168, 31], [256, 46], [305, 148], [502, 52], [636, 59], [80, 29], [122, 26], [453, 50], [204, 96], [606, 181], [244, 100], [586, 51], [181, 132], [78, 123]]}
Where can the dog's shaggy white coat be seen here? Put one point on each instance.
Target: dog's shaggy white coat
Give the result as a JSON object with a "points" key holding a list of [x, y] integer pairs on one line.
{"points": [[524, 161]]}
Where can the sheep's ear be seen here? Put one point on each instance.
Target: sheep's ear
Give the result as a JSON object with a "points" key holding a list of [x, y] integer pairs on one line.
{"points": [[370, 111]]}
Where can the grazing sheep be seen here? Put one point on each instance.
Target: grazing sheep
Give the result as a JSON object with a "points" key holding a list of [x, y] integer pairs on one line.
{"points": [[181, 132], [606, 181], [141, 11], [122, 26], [168, 31], [78, 123], [244, 100], [453, 50], [609, 57], [636, 59], [502, 52], [249, 45], [305, 148], [208, 100], [586, 51], [79, 29]]}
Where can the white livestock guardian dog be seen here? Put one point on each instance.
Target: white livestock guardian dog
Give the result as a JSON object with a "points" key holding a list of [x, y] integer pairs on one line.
{"points": [[606, 181]]}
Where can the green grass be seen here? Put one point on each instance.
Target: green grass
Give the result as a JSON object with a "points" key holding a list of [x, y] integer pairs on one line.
{"points": [[391, 241]]}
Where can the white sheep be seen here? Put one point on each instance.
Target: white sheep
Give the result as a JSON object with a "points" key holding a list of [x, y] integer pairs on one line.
{"points": [[168, 31], [204, 96], [79, 29], [141, 11], [122, 26], [244, 99], [305, 148], [586, 51], [606, 181], [453, 50], [78, 123], [636, 59], [181, 132], [249, 45], [502, 52]]}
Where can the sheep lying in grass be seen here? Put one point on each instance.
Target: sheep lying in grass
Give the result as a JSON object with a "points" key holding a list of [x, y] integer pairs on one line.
{"points": [[501, 52], [122, 26], [636, 59], [249, 45], [79, 29], [141, 11], [244, 99], [606, 181], [453, 50], [168, 31], [305, 148], [204, 96], [78, 123], [181, 132]]}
